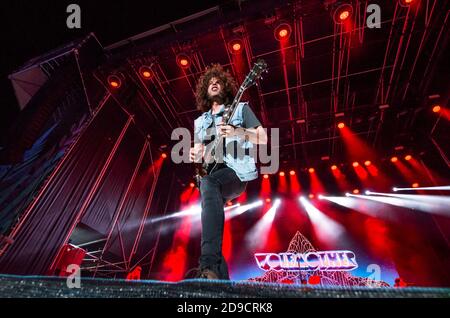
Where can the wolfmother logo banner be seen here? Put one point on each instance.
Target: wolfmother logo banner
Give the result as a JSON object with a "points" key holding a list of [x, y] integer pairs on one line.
{"points": [[312, 261]]}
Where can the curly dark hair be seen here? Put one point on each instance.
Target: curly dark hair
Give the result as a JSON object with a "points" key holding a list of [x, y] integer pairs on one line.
{"points": [[202, 99]]}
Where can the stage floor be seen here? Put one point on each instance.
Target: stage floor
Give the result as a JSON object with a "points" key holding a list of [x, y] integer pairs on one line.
{"points": [[56, 287]]}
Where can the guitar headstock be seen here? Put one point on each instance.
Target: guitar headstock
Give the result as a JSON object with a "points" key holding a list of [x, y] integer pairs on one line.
{"points": [[255, 74]]}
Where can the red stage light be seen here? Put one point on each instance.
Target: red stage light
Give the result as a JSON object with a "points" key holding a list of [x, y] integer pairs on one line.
{"points": [[394, 159], [334, 167], [436, 109], [408, 157], [183, 60], [114, 81], [311, 170], [282, 31], [406, 2], [292, 173], [367, 163], [341, 125], [344, 15], [268, 200], [234, 46], [355, 164], [415, 185], [355, 191], [266, 176], [311, 196], [229, 203], [192, 184], [164, 156], [314, 280], [145, 72], [281, 174]]}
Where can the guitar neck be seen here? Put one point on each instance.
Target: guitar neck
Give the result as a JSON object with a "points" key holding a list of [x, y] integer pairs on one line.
{"points": [[236, 101]]}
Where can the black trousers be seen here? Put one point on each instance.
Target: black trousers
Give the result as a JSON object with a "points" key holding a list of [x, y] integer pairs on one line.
{"points": [[215, 189]]}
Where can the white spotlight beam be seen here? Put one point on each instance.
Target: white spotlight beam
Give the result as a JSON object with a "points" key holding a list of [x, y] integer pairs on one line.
{"points": [[232, 206], [440, 201], [244, 208], [352, 202], [422, 188], [326, 228], [197, 209], [194, 210], [435, 204], [257, 236]]}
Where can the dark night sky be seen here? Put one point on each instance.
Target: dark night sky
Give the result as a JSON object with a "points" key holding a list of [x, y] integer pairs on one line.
{"points": [[31, 28]]}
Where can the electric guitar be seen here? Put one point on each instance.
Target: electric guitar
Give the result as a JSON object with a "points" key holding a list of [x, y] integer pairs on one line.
{"points": [[210, 162]]}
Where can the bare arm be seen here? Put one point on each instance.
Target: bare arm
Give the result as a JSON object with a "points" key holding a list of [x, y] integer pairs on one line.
{"points": [[256, 135]]}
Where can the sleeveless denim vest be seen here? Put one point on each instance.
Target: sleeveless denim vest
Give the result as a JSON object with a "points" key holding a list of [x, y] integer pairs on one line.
{"points": [[243, 163]]}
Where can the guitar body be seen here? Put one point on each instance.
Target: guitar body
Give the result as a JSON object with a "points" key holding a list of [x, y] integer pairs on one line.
{"points": [[210, 164]]}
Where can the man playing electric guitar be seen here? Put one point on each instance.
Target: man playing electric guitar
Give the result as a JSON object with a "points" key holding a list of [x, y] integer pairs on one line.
{"points": [[216, 90]]}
